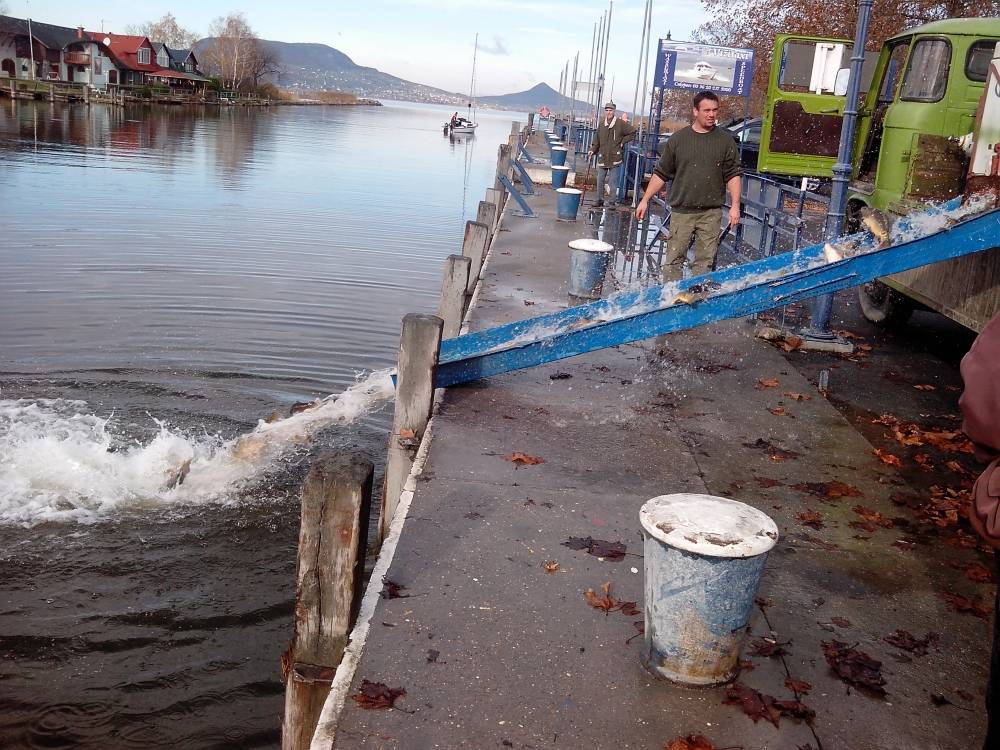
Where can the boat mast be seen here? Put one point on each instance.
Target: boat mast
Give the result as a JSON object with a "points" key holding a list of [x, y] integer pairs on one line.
{"points": [[472, 84]]}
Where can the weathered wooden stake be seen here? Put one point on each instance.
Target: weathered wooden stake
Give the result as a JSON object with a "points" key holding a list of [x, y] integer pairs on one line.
{"points": [[452, 304], [336, 504], [494, 196], [477, 239], [419, 347], [487, 214]]}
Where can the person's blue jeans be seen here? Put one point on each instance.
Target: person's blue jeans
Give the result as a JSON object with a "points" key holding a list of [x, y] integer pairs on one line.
{"points": [[610, 175]]}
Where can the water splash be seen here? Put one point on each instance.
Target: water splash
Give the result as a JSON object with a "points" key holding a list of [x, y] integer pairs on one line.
{"points": [[59, 463]]}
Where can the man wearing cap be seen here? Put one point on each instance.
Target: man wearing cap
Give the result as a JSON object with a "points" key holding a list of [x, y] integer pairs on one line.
{"points": [[612, 132], [704, 163]]}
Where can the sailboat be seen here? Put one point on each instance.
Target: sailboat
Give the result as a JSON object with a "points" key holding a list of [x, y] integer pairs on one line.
{"points": [[468, 124]]}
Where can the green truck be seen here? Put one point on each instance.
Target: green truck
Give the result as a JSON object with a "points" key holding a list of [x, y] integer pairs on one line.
{"points": [[920, 98]]}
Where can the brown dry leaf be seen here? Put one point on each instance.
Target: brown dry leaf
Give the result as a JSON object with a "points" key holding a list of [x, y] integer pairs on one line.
{"points": [[767, 647], [767, 383], [925, 387], [872, 517], [956, 467], [799, 687], [605, 602], [887, 458], [841, 622], [797, 396], [610, 551], [640, 626], [765, 482], [523, 459], [407, 434], [828, 490], [966, 606], [811, 518], [924, 461], [979, 573], [778, 411], [391, 589], [550, 566], [848, 335], [795, 709], [855, 667], [908, 642], [754, 704], [691, 742], [791, 343], [374, 695]]}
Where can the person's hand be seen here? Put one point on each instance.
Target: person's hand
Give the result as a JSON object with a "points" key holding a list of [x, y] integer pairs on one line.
{"points": [[734, 216], [640, 210], [624, 116]]}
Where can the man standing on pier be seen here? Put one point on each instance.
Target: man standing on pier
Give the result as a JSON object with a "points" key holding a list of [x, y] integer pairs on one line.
{"points": [[612, 132], [703, 162]]}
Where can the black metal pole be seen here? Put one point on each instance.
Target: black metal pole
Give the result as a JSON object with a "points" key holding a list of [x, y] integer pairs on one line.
{"points": [[820, 319]]}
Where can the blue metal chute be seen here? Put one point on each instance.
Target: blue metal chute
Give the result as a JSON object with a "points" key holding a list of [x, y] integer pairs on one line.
{"points": [[738, 291]]}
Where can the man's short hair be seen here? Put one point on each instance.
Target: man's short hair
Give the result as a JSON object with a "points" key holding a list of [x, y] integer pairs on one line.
{"points": [[702, 96]]}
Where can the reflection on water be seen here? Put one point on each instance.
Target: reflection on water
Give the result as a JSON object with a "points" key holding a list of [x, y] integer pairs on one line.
{"points": [[191, 270]]}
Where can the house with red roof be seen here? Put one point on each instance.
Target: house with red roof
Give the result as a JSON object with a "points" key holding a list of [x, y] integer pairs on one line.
{"points": [[133, 56]]}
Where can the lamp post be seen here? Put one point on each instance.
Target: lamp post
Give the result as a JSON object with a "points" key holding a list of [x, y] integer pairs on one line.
{"points": [[31, 41], [819, 327]]}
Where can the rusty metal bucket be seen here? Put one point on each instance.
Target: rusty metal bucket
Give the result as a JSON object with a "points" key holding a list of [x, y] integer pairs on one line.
{"points": [[704, 559]]}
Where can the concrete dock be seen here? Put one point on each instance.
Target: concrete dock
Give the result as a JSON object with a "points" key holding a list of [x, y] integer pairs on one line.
{"points": [[492, 637]]}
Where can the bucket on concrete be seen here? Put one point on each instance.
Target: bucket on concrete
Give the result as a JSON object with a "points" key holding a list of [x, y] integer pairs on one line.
{"points": [[703, 557], [559, 175], [588, 263], [567, 203], [559, 155]]}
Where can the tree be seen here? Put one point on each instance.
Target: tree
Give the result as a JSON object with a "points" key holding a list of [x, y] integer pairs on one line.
{"points": [[754, 23], [265, 62], [166, 31], [236, 55]]}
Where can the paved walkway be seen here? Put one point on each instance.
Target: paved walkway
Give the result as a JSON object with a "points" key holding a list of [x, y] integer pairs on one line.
{"points": [[494, 650]]}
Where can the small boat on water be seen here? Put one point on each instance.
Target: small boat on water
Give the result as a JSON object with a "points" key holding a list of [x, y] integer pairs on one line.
{"points": [[467, 124]]}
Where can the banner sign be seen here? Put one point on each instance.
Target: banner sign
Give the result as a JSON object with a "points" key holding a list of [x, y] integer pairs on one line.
{"points": [[703, 67]]}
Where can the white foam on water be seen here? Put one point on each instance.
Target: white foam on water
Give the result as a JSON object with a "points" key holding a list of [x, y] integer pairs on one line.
{"points": [[60, 463], [920, 224]]}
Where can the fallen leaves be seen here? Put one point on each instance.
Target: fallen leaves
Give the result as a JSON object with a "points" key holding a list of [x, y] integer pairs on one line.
{"points": [[391, 589], [767, 383], [759, 706], [767, 647], [828, 490], [925, 387], [799, 687], [607, 603], [523, 459], [797, 396], [887, 458], [691, 742], [610, 551], [908, 642], [774, 452], [811, 518], [778, 411], [976, 572], [872, 519], [965, 606], [550, 566], [853, 666], [374, 695]]}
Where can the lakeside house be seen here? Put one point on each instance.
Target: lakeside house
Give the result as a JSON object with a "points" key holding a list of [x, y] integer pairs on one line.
{"points": [[100, 60]]}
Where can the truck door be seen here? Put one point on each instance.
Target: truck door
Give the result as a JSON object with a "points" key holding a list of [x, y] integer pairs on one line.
{"points": [[804, 107]]}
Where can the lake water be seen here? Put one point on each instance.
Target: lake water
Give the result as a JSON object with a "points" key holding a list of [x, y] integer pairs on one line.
{"points": [[170, 277]]}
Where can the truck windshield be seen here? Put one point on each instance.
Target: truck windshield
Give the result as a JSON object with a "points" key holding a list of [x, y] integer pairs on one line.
{"points": [[927, 74]]}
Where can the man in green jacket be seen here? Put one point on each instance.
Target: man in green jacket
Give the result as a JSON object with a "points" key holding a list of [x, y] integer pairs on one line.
{"points": [[612, 132], [703, 162]]}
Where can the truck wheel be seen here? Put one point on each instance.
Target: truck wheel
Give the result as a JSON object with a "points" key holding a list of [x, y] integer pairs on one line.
{"points": [[883, 306]]}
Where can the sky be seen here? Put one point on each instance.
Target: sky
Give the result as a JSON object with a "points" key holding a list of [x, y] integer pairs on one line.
{"points": [[522, 42]]}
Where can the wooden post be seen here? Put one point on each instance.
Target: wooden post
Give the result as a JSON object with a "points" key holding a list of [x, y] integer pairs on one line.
{"points": [[419, 347], [494, 196], [487, 214], [531, 123], [452, 303], [503, 164], [336, 504], [477, 239]]}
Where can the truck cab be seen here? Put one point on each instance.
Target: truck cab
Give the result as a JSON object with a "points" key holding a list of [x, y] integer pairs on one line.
{"points": [[924, 91]]}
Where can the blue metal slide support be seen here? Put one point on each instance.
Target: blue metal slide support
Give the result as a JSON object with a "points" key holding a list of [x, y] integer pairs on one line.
{"points": [[526, 211], [529, 186], [745, 289], [523, 151]]}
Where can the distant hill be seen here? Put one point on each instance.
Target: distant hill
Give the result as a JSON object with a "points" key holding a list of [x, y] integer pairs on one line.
{"points": [[317, 67], [541, 95]]}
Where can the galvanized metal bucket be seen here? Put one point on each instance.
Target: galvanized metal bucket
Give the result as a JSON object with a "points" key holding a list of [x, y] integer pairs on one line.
{"points": [[567, 203], [559, 155], [588, 263], [559, 175], [704, 557]]}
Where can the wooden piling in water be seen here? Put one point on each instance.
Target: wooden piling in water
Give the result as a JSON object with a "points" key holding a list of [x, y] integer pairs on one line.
{"points": [[336, 505], [487, 214], [451, 307], [477, 239], [419, 347]]}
